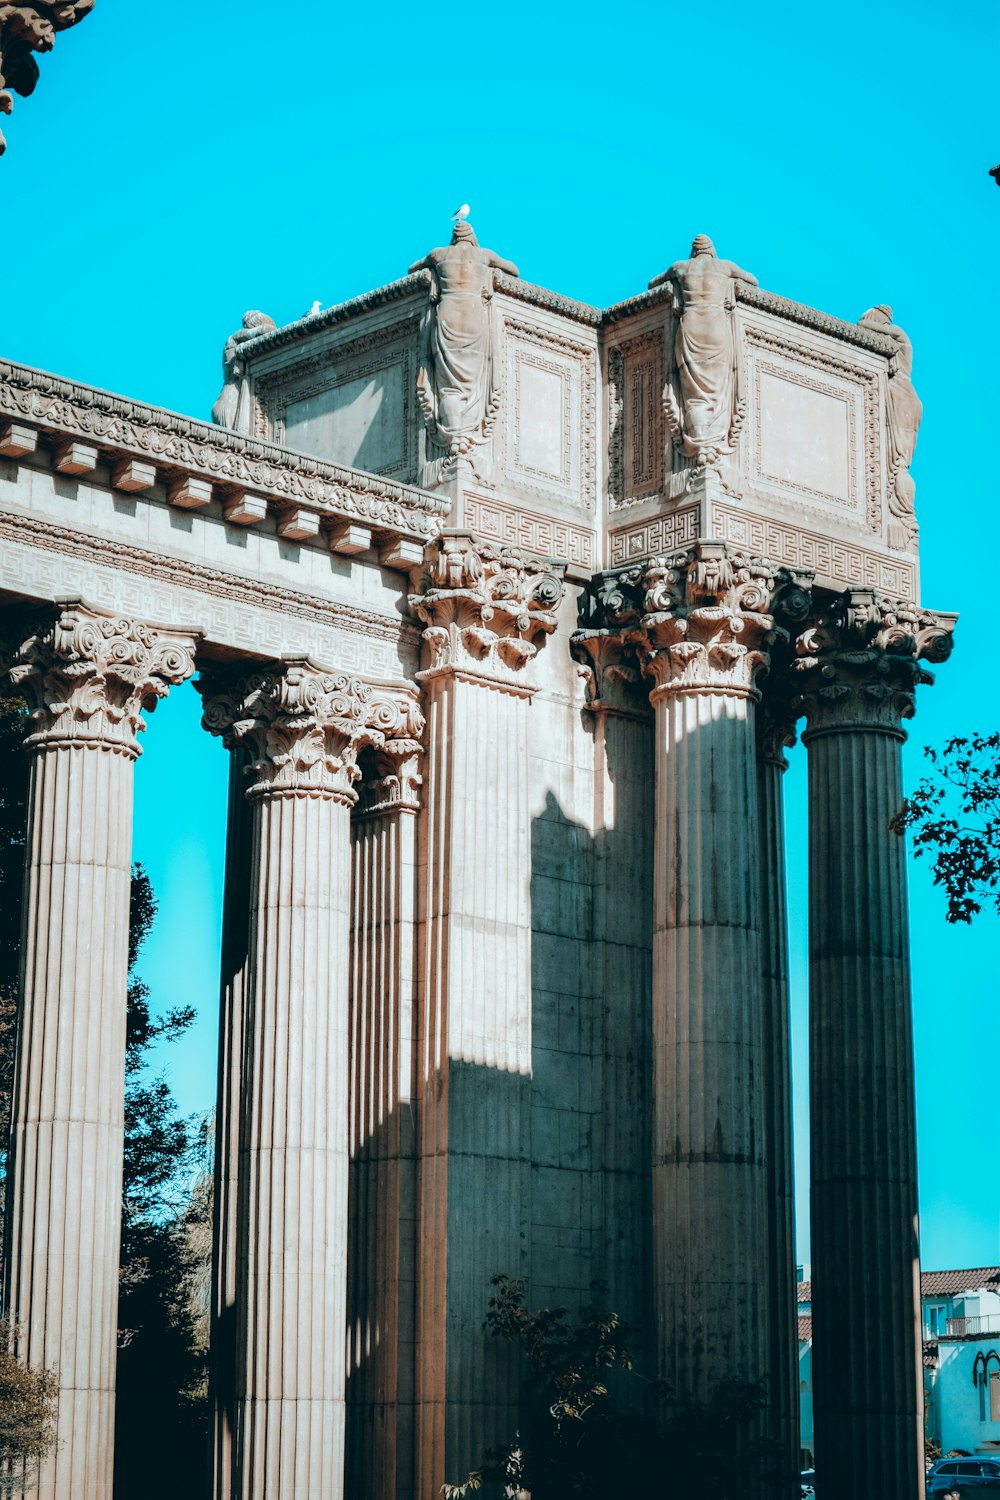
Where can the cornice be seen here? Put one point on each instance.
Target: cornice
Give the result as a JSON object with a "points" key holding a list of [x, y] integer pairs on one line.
{"points": [[811, 317], [181, 446], [291, 333], [540, 296]]}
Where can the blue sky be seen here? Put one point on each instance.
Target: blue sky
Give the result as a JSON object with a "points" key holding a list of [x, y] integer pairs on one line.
{"points": [[178, 165]]}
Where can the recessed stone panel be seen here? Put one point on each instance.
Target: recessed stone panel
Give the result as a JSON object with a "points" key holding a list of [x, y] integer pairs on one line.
{"points": [[358, 421], [806, 436]]}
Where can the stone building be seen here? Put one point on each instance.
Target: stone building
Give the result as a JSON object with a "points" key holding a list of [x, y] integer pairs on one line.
{"points": [[505, 607]]}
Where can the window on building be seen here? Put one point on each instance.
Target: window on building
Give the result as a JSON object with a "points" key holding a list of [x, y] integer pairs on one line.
{"points": [[995, 1394], [986, 1379]]}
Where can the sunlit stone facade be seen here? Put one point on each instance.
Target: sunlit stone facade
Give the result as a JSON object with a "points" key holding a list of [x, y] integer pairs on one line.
{"points": [[505, 608]]}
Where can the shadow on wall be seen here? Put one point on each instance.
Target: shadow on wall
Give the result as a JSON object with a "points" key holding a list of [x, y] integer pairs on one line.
{"points": [[546, 1176]]}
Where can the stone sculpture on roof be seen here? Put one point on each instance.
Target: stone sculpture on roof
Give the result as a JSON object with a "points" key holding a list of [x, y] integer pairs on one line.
{"points": [[25, 29], [702, 412], [232, 407], [457, 385], [903, 410]]}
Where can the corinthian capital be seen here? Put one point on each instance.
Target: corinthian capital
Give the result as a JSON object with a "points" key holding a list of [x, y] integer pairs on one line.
{"points": [[857, 664], [484, 606], [710, 616], [88, 676], [392, 778], [303, 727]]}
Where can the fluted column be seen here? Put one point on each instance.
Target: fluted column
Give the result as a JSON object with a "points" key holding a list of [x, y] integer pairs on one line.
{"points": [[708, 618], [774, 732], [483, 608], [87, 677], [381, 1269], [857, 669], [228, 1115], [301, 729]]}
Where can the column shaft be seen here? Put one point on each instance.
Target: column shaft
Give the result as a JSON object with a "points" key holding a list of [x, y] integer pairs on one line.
{"points": [[866, 1345], [65, 1166], [709, 1177], [382, 1253], [228, 1120], [475, 1058], [293, 1154], [782, 1360]]}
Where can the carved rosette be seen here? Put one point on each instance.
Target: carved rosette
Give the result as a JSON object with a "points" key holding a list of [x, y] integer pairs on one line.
{"points": [[303, 727], [89, 676], [858, 664], [709, 619], [393, 778], [484, 606]]}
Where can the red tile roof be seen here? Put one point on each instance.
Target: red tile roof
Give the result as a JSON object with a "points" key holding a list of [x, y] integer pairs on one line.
{"points": [[936, 1283], [805, 1330]]}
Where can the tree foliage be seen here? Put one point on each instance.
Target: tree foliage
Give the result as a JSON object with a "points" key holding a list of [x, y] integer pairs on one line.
{"points": [[593, 1426], [954, 818], [27, 1416]]}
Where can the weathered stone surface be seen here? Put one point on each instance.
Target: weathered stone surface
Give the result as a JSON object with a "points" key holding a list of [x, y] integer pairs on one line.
{"points": [[24, 30]]}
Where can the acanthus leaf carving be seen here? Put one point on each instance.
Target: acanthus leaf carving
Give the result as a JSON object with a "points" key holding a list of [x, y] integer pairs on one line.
{"points": [[857, 662], [89, 676], [484, 606], [303, 726]]}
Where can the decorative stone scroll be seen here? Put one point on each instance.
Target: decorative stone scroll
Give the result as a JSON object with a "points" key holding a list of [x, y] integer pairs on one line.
{"points": [[705, 411], [302, 726], [25, 29], [483, 606], [710, 616], [394, 780], [857, 664], [457, 386], [89, 676]]}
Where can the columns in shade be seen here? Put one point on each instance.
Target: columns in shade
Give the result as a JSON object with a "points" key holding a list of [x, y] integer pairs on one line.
{"points": [[483, 608], [703, 630], [300, 728], [87, 677], [228, 1116], [381, 1281], [857, 668], [774, 732]]}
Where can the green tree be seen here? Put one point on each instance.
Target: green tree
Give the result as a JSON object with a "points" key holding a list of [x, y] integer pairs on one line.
{"points": [[27, 1417], [592, 1426], [954, 819]]}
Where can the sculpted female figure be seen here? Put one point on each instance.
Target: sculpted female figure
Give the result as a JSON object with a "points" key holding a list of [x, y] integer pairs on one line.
{"points": [[705, 350], [230, 409], [903, 411], [456, 385]]}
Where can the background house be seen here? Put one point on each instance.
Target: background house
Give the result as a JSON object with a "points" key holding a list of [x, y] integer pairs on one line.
{"points": [[961, 1334]]}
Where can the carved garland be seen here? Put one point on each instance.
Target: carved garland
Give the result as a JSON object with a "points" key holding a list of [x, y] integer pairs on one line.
{"points": [[869, 381], [586, 358], [647, 416]]}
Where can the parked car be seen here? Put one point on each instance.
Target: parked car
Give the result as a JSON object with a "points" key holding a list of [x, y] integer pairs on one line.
{"points": [[965, 1476], [807, 1481]]}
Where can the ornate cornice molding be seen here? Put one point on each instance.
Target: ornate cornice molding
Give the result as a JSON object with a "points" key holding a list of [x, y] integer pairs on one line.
{"points": [[540, 296], [89, 676], [182, 446], [291, 333], [483, 607], [301, 726], [857, 662], [811, 317], [710, 616]]}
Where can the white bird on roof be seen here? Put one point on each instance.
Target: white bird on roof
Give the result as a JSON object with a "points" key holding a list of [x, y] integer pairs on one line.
{"points": [[462, 212], [314, 309]]}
